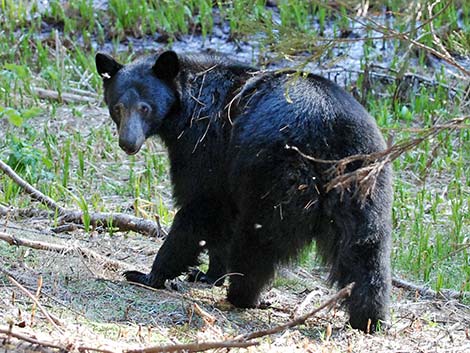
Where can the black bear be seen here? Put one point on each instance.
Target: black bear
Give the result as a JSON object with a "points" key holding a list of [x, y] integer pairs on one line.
{"points": [[242, 194]]}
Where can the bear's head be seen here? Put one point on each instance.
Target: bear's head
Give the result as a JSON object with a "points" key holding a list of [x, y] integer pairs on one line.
{"points": [[139, 96]]}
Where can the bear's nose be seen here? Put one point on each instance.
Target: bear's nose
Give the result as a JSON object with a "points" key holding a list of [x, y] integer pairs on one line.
{"points": [[128, 147]]}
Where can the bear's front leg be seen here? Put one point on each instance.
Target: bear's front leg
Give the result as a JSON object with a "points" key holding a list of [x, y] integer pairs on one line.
{"points": [[181, 248]]}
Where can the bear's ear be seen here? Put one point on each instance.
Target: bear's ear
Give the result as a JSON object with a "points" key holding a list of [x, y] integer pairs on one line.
{"points": [[167, 66], [107, 67]]}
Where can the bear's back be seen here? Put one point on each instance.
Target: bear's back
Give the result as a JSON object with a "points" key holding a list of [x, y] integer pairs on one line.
{"points": [[279, 109]]}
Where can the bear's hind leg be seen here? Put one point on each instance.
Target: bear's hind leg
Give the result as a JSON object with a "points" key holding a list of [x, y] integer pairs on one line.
{"points": [[357, 246]]}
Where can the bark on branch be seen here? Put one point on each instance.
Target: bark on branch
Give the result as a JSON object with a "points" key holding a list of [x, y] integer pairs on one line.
{"points": [[342, 294], [120, 221], [428, 292], [109, 264]]}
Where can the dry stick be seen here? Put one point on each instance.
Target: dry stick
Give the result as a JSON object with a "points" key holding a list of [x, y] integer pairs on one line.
{"points": [[109, 264], [38, 293], [342, 294], [65, 347], [194, 347], [53, 320], [365, 177], [63, 97], [29, 212], [108, 220], [121, 221], [427, 292], [10, 333]]}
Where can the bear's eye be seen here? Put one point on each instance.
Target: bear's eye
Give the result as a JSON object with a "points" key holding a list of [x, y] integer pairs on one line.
{"points": [[143, 109]]}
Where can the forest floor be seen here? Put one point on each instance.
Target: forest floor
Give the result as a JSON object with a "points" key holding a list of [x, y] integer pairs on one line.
{"points": [[97, 309]]}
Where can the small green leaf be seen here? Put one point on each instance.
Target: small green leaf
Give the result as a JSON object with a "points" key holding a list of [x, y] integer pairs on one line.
{"points": [[14, 117], [20, 70], [31, 112]]}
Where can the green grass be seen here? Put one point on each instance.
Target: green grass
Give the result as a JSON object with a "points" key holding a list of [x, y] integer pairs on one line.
{"points": [[73, 157]]}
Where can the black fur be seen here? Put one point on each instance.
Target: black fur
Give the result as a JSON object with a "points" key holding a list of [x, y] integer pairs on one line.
{"points": [[252, 203]]}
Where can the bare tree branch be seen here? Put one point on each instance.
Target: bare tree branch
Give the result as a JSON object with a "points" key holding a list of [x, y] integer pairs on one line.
{"points": [[109, 264], [63, 97], [53, 320], [23, 337], [194, 347], [342, 294], [121, 221], [364, 178], [428, 292]]}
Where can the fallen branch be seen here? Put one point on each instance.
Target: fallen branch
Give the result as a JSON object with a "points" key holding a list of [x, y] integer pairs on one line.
{"points": [[29, 212], [194, 347], [428, 292], [53, 320], [342, 294], [63, 97], [9, 333], [63, 347], [120, 221], [34, 193], [109, 264]]}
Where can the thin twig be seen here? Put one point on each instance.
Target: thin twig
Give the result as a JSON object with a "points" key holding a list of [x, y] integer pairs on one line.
{"points": [[53, 320], [342, 294], [9, 333], [365, 177], [38, 293]]}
